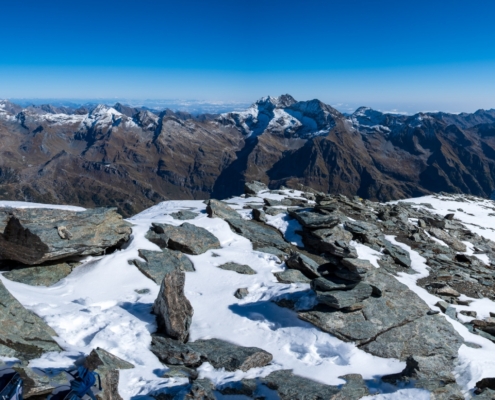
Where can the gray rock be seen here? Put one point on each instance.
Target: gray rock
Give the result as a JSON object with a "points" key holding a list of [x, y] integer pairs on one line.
{"points": [[201, 389], [184, 215], [219, 209], [357, 266], [456, 244], [172, 352], [109, 385], [180, 371], [159, 263], [486, 325], [354, 388], [187, 238], [23, 334], [239, 268], [330, 283], [486, 394], [443, 305], [260, 235], [304, 264], [273, 250], [399, 255], [274, 210], [172, 309], [241, 293], [259, 215], [312, 220], [37, 383], [340, 299], [293, 387], [254, 187], [334, 241], [469, 313], [291, 276], [222, 354], [44, 275], [31, 235]]}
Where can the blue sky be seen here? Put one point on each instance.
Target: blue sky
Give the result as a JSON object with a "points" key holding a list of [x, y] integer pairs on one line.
{"points": [[402, 55]]}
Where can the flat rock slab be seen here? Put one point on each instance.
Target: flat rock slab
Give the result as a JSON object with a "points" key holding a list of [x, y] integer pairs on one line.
{"points": [[172, 352], [44, 275], [456, 244], [340, 299], [329, 283], [397, 306], [260, 235], [306, 265], [184, 215], [101, 359], [222, 354], [35, 235], [219, 209], [291, 276], [23, 334], [239, 268], [399, 255], [159, 263], [254, 187], [312, 220], [187, 238]]}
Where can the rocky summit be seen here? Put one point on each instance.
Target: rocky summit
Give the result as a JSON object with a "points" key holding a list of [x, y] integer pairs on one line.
{"points": [[282, 294], [132, 158]]}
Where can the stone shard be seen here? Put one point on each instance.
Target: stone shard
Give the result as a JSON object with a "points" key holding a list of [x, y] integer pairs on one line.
{"points": [[254, 187], [222, 354], [239, 268], [23, 334], [172, 309], [399, 255], [260, 235], [159, 263], [456, 244], [31, 236], [187, 238], [291, 276], [219, 209], [304, 264]]}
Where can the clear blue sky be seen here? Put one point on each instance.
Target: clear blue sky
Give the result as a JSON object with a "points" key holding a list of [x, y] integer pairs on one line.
{"points": [[415, 55]]}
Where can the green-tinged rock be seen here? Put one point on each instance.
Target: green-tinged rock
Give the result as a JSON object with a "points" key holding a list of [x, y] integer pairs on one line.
{"points": [[291, 276], [22, 333], [239, 268], [159, 263], [44, 275], [172, 352], [33, 236]]}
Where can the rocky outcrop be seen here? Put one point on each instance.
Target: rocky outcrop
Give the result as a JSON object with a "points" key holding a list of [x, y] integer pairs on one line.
{"points": [[187, 238], [36, 235], [160, 263], [172, 308], [23, 334]]}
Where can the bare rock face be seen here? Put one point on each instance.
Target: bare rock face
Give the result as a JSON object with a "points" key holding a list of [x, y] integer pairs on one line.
{"points": [[34, 236], [23, 334], [173, 310]]}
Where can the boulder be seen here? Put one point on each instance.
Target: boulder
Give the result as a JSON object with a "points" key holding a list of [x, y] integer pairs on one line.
{"points": [[357, 266], [43, 275], [180, 371], [241, 293], [36, 235], [36, 383], [187, 238], [259, 215], [456, 244], [239, 268], [341, 299], [23, 334], [172, 309], [260, 235], [291, 276], [485, 383], [159, 263], [330, 283], [334, 241], [201, 389], [222, 354], [304, 264], [399, 255], [312, 220], [219, 209], [184, 215], [173, 352], [254, 187]]}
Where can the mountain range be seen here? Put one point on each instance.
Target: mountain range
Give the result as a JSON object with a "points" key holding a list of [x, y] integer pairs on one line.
{"points": [[133, 157]]}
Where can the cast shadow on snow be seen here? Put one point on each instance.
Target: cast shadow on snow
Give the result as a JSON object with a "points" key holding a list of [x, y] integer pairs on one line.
{"points": [[141, 311]]}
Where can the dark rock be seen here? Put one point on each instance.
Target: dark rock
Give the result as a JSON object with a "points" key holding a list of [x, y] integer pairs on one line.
{"points": [[312, 220], [159, 263], [172, 309], [274, 211], [334, 241], [201, 389], [184, 215], [357, 266], [23, 334], [340, 299], [31, 235], [456, 244], [485, 383], [253, 187], [222, 354], [486, 394], [259, 215], [355, 388], [244, 387], [304, 264], [219, 209], [450, 217], [36, 383], [291, 276], [443, 305], [239, 268], [187, 238], [486, 325], [43, 275], [260, 235], [273, 250], [180, 371], [329, 283], [170, 351], [435, 222], [399, 255], [241, 293], [293, 387], [468, 313]]}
